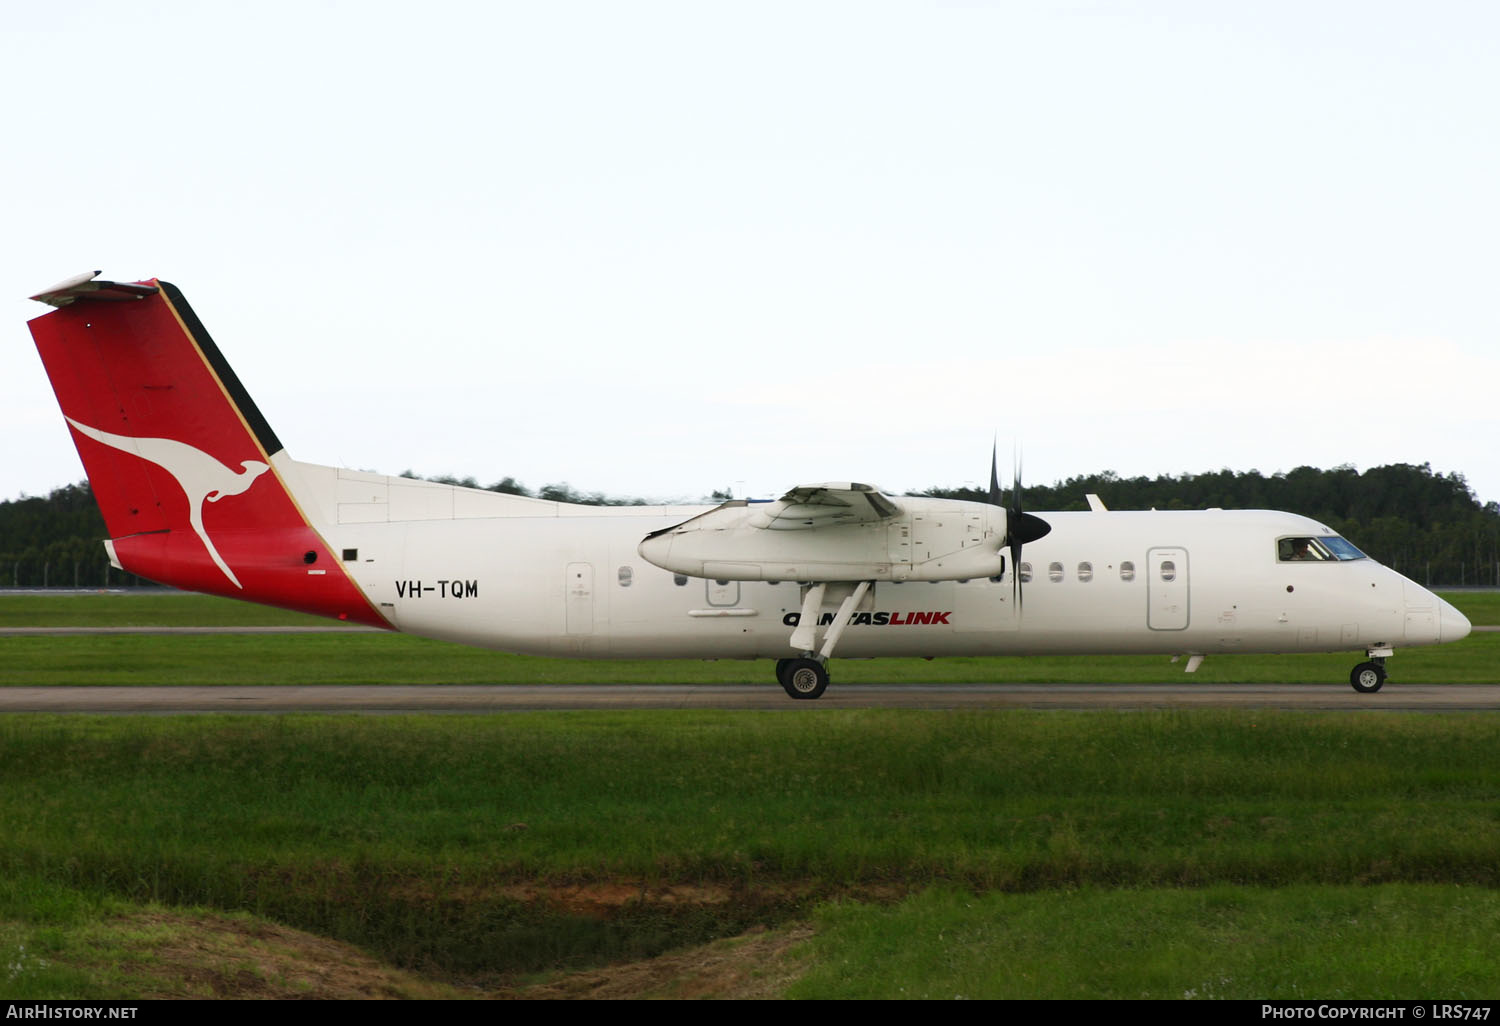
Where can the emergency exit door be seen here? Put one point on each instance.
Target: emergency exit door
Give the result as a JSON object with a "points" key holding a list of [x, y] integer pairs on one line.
{"points": [[1167, 604], [580, 598]]}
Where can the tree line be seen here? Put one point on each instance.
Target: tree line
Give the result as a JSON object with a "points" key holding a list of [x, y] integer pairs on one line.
{"points": [[54, 541], [1428, 526]]}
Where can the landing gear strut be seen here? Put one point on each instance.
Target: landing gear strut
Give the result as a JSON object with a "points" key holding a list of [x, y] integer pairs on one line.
{"points": [[1367, 678], [802, 678], [807, 677]]}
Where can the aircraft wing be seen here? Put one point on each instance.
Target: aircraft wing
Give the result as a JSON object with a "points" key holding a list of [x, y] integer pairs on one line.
{"points": [[826, 505], [838, 531]]}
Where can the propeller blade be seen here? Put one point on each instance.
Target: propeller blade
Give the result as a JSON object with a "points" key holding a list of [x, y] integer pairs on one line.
{"points": [[996, 498], [1012, 519], [1020, 527], [995, 474]]}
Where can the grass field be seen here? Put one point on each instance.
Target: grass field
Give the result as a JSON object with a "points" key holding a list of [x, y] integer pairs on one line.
{"points": [[869, 853]]}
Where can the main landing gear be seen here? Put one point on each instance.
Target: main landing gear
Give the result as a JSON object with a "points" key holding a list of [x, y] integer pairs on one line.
{"points": [[1368, 677], [802, 678], [807, 676]]}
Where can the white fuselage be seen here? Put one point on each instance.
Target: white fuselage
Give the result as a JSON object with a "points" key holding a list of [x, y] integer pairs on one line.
{"points": [[526, 575]]}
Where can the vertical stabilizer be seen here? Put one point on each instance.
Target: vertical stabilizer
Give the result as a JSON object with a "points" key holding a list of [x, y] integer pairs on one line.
{"points": [[178, 455]]}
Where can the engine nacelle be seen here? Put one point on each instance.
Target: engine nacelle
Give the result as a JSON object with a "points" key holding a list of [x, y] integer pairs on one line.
{"points": [[920, 539]]}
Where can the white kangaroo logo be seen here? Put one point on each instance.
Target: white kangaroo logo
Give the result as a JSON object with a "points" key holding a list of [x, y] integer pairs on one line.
{"points": [[201, 477]]}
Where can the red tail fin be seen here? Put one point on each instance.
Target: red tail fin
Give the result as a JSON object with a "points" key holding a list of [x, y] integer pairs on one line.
{"points": [[180, 460]]}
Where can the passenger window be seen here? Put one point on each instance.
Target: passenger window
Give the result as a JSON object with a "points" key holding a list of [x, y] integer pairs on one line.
{"points": [[1054, 572], [1024, 571], [626, 575], [1127, 571], [1085, 571], [1168, 570]]}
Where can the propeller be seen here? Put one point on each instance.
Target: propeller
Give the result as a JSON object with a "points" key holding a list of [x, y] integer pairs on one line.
{"points": [[1020, 526]]}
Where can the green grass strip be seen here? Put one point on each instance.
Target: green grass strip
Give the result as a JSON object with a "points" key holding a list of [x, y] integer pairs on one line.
{"points": [[201, 660], [1295, 943], [144, 609]]}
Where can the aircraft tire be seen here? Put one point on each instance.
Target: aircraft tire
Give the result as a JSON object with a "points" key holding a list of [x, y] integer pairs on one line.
{"points": [[1366, 678], [802, 678]]}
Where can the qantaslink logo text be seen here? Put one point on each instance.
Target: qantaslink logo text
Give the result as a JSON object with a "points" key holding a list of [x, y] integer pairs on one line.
{"points": [[878, 619]]}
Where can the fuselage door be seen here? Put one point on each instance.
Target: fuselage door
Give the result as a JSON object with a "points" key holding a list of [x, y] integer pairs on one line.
{"points": [[1167, 606], [580, 598]]}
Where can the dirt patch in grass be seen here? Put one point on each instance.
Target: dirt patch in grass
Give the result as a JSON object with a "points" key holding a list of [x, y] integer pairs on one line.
{"points": [[605, 898], [176, 955], [757, 964], [213, 956]]}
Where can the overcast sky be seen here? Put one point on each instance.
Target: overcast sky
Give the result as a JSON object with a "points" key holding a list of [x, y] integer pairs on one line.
{"points": [[657, 249]]}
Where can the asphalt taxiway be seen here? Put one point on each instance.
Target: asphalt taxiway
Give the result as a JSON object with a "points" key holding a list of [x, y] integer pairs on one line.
{"points": [[497, 698]]}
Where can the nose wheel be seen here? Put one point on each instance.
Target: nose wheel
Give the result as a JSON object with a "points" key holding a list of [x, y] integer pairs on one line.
{"points": [[1367, 678], [802, 678]]}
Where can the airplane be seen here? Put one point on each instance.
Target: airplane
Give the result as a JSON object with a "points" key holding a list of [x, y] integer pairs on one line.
{"points": [[198, 492]]}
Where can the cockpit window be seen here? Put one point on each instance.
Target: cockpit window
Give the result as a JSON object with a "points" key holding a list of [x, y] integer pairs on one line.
{"points": [[1341, 549], [1324, 549]]}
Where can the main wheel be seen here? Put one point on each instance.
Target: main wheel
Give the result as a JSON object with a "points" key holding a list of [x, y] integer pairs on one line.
{"points": [[802, 678], [1367, 678]]}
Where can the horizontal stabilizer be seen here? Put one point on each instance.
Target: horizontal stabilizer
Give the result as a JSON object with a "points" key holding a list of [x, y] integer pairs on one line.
{"points": [[84, 286]]}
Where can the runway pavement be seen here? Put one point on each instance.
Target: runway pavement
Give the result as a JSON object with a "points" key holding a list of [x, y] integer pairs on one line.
{"points": [[513, 698]]}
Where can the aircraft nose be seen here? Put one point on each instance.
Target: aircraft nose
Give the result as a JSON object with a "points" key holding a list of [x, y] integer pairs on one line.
{"points": [[1452, 625]]}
